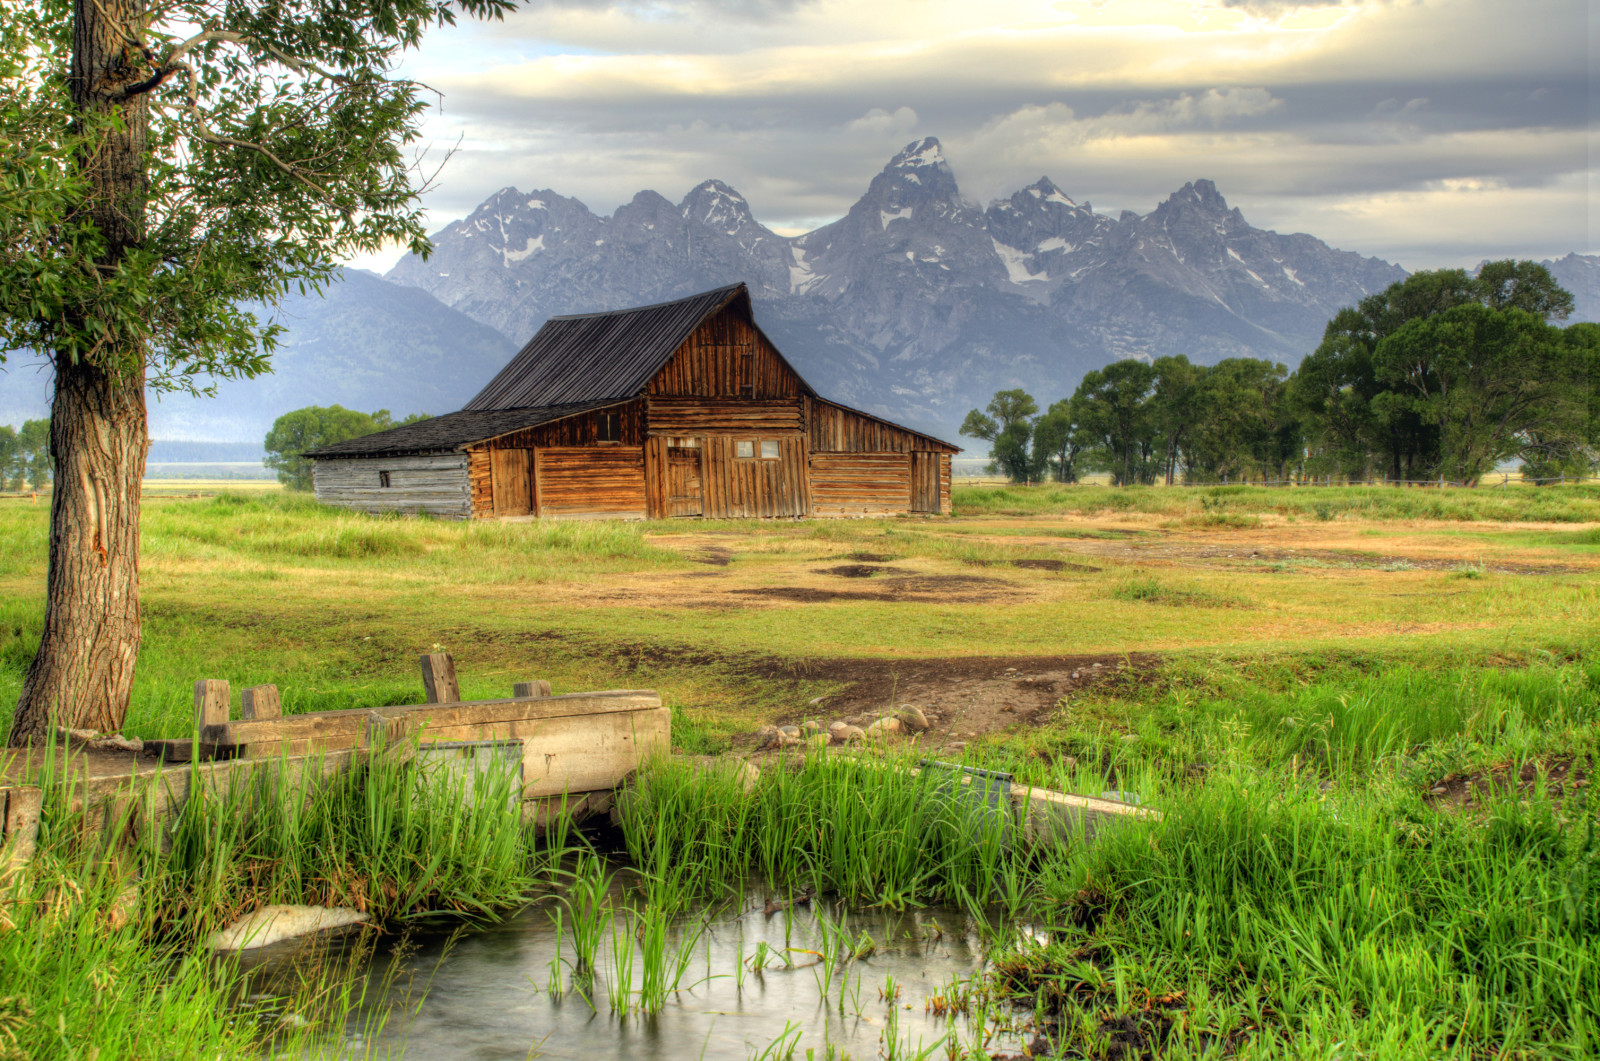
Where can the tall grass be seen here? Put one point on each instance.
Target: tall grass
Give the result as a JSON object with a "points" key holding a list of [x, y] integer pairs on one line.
{"points": [[878, 834], [101, 934]]}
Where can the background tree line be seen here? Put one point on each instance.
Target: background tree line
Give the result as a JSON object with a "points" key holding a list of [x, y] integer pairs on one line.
{"points": [[25, 455], [1443, 375]]}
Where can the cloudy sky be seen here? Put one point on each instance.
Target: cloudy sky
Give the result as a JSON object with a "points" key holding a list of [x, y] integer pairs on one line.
{"points": [[1428, 132]]}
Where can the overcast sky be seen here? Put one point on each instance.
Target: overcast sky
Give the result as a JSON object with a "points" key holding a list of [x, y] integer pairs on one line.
{"points": [[1428, 132]]}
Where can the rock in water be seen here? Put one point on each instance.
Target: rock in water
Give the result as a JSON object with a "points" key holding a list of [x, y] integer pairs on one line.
{"points": [[270, 924]]}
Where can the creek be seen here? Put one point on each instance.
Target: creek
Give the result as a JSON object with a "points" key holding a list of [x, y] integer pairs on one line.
{"points": [[754, 985]]}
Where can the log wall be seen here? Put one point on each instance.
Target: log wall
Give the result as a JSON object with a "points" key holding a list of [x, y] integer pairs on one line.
{"points": [[590, 482], [860, 484], [437, 483]]}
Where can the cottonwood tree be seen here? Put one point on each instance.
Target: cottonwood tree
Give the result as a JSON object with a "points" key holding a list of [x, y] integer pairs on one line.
{"points": [[1007, 425], [167, 163]]}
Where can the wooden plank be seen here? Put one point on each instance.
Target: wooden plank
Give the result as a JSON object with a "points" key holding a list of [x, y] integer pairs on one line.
{"points": [[583, 754], [511, 476], [431, 718], [261, 702], [592, 481], [210, 703], [437, 483], [531, 690], [439, 678]]}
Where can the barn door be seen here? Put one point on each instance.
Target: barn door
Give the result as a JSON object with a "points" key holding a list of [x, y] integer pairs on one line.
{"points": [[511, 481], [684, 495], [925, 482]]}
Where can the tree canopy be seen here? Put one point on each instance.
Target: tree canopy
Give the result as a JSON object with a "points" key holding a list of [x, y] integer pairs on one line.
{"points": [[1442, 375], [302, 430], [167, 166]]}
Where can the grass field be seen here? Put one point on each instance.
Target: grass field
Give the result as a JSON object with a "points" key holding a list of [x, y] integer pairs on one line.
{"points": [[1367, 716], [736, 622]]}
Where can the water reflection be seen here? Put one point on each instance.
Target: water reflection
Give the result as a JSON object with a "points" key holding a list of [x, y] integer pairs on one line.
{"points": [[488, 994]]}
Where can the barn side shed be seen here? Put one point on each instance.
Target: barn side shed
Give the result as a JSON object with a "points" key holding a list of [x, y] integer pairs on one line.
{"points": [[683, 409]]}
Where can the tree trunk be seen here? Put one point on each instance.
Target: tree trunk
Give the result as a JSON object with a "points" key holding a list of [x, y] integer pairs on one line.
{"points": [[83, 673]]}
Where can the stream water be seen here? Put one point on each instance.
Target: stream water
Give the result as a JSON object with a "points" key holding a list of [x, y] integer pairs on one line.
{"points": [[486, 995]]}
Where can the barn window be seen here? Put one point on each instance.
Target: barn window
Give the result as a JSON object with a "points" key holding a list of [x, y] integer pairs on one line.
{"points": [[769, 449], [610, 427], [383, 479], [744, 447]]}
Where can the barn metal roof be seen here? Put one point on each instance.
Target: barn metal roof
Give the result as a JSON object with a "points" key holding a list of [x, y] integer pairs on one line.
{"points": [[451, 431], [601, 356]]}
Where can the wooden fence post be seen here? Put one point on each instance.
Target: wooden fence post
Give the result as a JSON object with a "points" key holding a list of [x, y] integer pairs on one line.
{"points": [[260, 702], [530, 690], [210, 703], [439, 678]]}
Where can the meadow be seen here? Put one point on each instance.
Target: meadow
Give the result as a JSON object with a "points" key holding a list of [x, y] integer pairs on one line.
{"points": [[1367, 717]]}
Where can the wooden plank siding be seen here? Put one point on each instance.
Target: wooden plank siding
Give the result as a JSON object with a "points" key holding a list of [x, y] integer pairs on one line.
{"points": [[726, 357], [479, 470], [860, 484], [436, 483], [925, 482], [590, 482], [835, 429], [945, 506], [697, 416], [579, 430], [738, 487]]}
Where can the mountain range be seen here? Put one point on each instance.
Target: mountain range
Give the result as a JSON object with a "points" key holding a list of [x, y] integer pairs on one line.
{"points": [[917, 304]]}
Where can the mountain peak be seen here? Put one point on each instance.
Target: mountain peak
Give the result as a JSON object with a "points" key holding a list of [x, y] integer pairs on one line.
{"points": [[719, 206], [919, 153], [1045, 190]]}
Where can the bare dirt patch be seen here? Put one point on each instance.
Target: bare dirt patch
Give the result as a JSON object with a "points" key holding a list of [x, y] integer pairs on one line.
{"points": [[918, 589], [872, 558], [859, 570], [1562, 775], [963, 696]]}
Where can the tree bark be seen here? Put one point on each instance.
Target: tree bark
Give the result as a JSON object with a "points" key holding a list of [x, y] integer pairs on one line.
{"points": [[82, 675]]}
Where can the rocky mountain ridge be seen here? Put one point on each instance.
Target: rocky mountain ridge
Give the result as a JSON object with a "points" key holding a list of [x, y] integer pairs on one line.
{"points": [[917, 303]]}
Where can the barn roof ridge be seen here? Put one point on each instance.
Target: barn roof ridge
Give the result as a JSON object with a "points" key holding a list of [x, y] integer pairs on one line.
{"points": [[729, 289]]}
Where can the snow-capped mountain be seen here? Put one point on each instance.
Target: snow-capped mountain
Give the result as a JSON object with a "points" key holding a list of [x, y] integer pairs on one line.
{"points": [[918, 303]]}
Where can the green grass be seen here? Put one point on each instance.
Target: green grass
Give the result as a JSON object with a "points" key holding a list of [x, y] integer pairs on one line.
{"points": [[101, 934], [1224, 505], [1296, 897]]}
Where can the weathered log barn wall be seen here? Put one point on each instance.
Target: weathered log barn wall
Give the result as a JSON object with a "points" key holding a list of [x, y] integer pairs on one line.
{"points": [[708, 422], [435, 483]]}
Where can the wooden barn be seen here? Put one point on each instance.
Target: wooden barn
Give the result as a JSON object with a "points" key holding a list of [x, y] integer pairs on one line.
{"points": [[679, 409]]}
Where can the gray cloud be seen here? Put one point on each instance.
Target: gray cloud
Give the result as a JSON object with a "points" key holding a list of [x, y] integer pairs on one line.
{"points": [[1457, 119]]}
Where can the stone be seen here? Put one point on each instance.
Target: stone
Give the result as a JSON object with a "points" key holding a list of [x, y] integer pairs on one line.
{"points": [[815, 701], [117, 744], [912, 719], [790, 731], [811, 727], [885, 727], [271, 924], [817, 742], [843, 733], [767, 736]]}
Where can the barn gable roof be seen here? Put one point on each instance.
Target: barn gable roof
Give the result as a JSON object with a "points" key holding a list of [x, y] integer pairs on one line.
{"points": [[451, 431], [575, 364], [612, 356]]}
